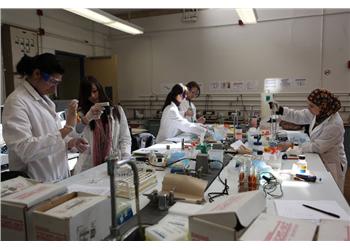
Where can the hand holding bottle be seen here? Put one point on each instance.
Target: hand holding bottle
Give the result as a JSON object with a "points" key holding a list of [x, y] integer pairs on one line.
{"points": [[94, 113], [71, 113]]}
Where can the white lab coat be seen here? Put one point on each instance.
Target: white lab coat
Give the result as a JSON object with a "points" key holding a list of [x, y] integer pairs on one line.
{"points": [[326, 139], [173, 123], [121, 142], [31, 132], [184, 106]]}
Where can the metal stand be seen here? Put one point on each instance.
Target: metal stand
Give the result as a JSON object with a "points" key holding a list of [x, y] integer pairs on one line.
{"points": [[112, 164]]}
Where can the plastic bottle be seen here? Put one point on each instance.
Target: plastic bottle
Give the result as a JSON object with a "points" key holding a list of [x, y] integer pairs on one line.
{"points": [[252, 179], [265, 112], [152, 157], [242, 177], [238, 133], [302, 164], [257, 146], [167, 155]]}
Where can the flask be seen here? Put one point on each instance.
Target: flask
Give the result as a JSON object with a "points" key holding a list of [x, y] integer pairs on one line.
{"points": [[302, 164]]}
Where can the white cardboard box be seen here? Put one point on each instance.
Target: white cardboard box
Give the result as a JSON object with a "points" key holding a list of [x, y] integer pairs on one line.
{"points": [[334, 230], [15, 185], [276, 228], [73, 216], [16, 209], [222, 219]]}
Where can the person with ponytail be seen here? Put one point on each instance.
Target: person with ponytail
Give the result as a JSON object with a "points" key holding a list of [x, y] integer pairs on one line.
{"points": [[106, 127], [326, 130], [172, 122], [37, 143]]}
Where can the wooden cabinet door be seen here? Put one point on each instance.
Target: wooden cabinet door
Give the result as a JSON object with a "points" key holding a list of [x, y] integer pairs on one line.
{"points": [[104, 69]]}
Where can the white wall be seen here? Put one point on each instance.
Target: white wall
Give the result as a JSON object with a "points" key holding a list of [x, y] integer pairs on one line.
{"points": [[284, 43], [63, 31]]}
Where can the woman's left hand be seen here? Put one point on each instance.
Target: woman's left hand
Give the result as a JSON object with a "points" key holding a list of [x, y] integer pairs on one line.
{"points": [[79, 143]]}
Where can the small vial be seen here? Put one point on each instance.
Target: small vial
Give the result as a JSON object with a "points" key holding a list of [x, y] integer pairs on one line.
{"points": [[302, 164]]}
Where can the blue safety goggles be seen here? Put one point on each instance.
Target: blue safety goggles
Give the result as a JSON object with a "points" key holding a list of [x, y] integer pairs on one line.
{"points": [[48, 78]]}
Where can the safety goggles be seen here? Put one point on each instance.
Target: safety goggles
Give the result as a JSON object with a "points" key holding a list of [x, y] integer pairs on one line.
{"points": [[50, 79]]}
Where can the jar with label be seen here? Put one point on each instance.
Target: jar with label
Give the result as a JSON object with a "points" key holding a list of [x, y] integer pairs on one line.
{"points": [[302, 164]]}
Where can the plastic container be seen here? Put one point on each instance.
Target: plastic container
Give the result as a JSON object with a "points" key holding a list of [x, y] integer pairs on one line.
{"points": [[266, 97], [257, 146]]}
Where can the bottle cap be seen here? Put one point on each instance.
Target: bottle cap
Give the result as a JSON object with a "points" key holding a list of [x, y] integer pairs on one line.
{"points": [[260, 152], [301, 157], [257, 143]]}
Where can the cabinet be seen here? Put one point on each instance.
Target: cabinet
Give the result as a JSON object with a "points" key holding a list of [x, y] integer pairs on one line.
{"points": [[15, 43]]}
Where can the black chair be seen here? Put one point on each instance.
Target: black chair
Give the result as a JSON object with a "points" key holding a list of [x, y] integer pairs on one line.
{"points": [[146, 140], [8, 175], [134, 142]]}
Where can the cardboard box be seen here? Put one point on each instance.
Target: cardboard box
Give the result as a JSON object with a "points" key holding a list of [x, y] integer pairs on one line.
{"points": [[17, 208], [73, 216], [15, 185], [185, 187], [276, 228], [334, 230], [225, 218]]}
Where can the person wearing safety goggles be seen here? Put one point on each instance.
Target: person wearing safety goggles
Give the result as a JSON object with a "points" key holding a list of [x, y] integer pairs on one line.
{"points": [[37, 143], [187, 107], [172, 122]]}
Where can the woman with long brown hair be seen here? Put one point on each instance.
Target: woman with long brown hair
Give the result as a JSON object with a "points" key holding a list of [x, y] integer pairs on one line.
{"points": [[106, 129]]}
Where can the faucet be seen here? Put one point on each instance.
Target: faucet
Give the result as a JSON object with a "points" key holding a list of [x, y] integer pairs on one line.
{"points": [[112, 164]]}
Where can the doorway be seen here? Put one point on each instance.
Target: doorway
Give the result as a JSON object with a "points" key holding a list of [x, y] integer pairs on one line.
{"points": [[73, 65]]}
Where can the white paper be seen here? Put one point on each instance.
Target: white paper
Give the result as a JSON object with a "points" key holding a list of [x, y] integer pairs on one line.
{"points": [[295, 209], [185, 209], [274, 228], [236, 144]]}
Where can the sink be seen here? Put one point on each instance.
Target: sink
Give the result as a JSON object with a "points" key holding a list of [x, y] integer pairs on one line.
{"points": [[134, 234], [149, 216]]}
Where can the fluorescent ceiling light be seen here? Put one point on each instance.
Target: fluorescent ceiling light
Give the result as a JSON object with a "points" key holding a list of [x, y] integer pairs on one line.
{"points": [[108, 20], [247, 15], [92, 15], [124, 27]]}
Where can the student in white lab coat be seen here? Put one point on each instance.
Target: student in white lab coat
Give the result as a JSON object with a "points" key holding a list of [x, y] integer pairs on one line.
{"points": [[106, 129], [32, 130], [187, 107], [172, 122], [326, 131]]}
